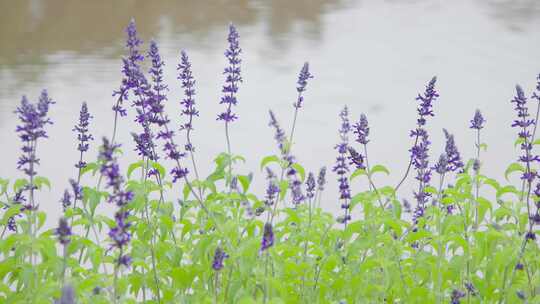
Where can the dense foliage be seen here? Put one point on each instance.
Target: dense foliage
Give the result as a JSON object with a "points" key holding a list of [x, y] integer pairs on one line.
{"points": [[176, 236]]}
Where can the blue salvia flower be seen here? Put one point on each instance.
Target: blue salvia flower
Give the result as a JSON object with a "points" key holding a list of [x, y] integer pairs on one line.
{"points": [[268, 237], [130, 68], [478, 120], [281, 139], [63, 232], [219, 257], [310, 185], [232, 76], [302, 84], [419, 152], [321, 179], [450, 158], [66, 200], [33, 120], [110, 169], [356, 159], [159, 88], [536, 95], [524, 122], [341, 167], [83, 135], [188, 103], [361, 129], [273, 189], [18, 199]]}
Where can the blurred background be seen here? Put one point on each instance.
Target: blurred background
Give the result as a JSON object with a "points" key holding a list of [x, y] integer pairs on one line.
{"points": [[372, 55]]}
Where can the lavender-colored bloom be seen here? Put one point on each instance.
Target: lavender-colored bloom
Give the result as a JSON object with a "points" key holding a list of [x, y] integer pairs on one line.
{"points": [[419, 152], [478, 120], [66, 199], [268, 237], [219, 256], [321, 179], [281, 139], [157, 96], [441, 166], [296, 187], [125, 260], [232, 76], [18, 199], [33, 120], [63, 231], [109, 168], [310, 185], [536, 95], [130, 69], [272, 190], [356, 159], [68, 295], [302, 84], [470, 288], [361, 129], [454, 158], [83, 136], [341, 168], [524, 122], [456, 296], [188, 84]]}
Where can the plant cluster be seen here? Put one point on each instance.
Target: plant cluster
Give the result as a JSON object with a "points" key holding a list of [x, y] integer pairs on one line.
{"points": [[174, 235]]}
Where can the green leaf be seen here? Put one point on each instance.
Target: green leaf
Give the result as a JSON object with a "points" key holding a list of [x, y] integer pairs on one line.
{"points": [[133, 167], [268, 160], [159, 168], [513, 167], [245, 182], [89, 167], [379, 168], [39, 181], [357, 172], [483, 147], [300, 171], [19, 184]]}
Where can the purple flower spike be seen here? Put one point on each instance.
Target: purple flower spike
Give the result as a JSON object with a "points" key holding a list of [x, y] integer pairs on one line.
{"points": [[419, 152], [268, 237], [478, 120], [272, 190], [83, 135], [356, 159], [302, 84], [188, 84], [525, 123], [536, 95], [321, 179], [159, 88], [341, 168], [33, 120], [130, 69], [232, 76], [452, 157], [425, 109], [63, 232], [66, 200], [310, 185], [219, 257], [361, 129], [281, 139]]}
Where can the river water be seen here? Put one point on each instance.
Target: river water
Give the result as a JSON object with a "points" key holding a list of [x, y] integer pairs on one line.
{"points": [[374, 56]]}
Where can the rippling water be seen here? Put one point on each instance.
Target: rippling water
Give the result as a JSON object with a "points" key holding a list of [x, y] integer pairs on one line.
{"points": [[371, 55]]}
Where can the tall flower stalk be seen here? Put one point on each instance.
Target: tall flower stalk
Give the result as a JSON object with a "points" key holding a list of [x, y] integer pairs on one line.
{"points": [[119, 234], [477, 123], [232, 79], [341, 168]]}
